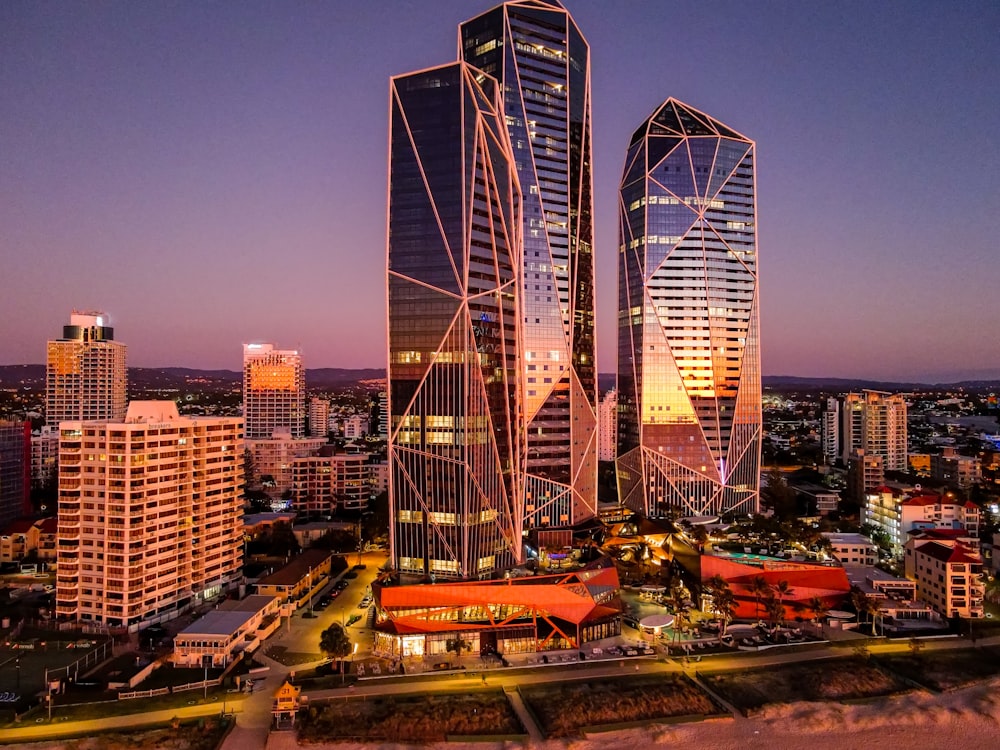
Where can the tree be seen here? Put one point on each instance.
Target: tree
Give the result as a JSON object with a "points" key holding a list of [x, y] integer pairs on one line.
{"points": [[782, 589], [723, 600], [679, 604], [777, 496], [775, 609], [759, 587], [819, 609], [458, 644], [334, 642]]}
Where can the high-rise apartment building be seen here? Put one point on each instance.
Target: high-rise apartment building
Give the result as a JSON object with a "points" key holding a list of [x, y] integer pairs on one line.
{"points": [[830, 435], [85, 375], [689, 392], [542, 61], [149, 513], [319, 417], [871, 421], [454, 403], [274, 392], [15, 470]]}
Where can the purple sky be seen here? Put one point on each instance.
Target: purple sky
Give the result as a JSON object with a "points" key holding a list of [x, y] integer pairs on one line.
{"points": [[215, 173]]}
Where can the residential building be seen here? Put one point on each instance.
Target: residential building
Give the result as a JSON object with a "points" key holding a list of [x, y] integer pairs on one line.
{"points": [[44, 456], [225, 633], [689, 388], [301, 578], [17, 539], [830, 431], [149, 514], [382, 406], [853, 549], [865, 472], [899, 609], [274, 392], [958, 471], [898, 514], [874, 422], [454, 230], [355, 427], [85, 374], [15, 470], [319, 417], [327, 481], [541, 60], [607, 426], [948, 575], [273, 458]]}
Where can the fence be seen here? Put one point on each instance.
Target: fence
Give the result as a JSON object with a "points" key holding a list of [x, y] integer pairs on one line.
{"points": [[197, 685], [143, 693], [99, 654]]}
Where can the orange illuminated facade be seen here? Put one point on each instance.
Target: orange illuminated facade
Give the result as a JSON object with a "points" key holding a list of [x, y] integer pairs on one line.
{"points": [[689, 388], [274, 392], [519, 615], [85, 374]]}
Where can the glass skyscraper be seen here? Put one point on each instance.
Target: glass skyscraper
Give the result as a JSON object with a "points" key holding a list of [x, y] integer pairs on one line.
{"points": [[455, 447], [689, 394], [537, 53]]}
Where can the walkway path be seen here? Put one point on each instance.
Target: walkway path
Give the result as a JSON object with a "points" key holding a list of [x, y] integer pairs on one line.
{"points": [[527, 720]]}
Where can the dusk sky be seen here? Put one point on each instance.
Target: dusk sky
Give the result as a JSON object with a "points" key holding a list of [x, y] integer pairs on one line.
{"points": [[213, 173]]}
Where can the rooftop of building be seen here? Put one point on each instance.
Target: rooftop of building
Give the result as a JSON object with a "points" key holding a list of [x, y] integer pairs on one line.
{"points": [[151, 411], [253, 519], [252, 603], [18, 526], [297, 569], [217, 622], [958, 553], [844, 538]]}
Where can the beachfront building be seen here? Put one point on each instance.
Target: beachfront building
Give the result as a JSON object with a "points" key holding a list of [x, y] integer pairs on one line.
{"points": [[227, 632], [948, 575], [512, 616]]}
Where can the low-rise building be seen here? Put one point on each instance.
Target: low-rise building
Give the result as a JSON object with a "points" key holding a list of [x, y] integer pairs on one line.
{"points": [[899, 609], [853, 549], [226, 632], [898, 513], [17, 539], [304, 575], [948, 575]]}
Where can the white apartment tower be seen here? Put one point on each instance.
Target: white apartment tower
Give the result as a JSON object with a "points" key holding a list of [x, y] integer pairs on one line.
{"points": [[149, 514], [85, 373], [319, 417], [874, 422], [274, 392]]}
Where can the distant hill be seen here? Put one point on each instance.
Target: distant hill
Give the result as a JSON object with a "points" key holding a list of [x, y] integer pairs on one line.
{"points": [[32, 377]]}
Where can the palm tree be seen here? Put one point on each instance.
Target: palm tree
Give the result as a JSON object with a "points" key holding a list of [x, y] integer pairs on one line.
{"points": [[775, 609], [723, 600], [782, 589], [819, 609], [458, 644], [679, 604], [859, 600], [759, 587]]}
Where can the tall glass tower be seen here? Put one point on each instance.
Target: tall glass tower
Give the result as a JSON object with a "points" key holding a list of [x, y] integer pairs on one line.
{"points": [[455, 452], [542, 61], [689, 426]]}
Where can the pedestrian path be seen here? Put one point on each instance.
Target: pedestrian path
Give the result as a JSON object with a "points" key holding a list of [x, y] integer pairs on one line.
{"points": [[527, 720]]}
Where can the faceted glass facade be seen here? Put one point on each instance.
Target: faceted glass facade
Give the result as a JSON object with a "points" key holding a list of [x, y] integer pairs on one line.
{"points": [[454, 404], [689, 399], [535, 50]]}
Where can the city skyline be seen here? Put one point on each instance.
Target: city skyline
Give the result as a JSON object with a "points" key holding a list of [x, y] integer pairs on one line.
{"points": [[172, 153]]}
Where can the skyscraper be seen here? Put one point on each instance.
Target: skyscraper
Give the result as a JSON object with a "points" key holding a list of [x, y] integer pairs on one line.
{"points": [[85, 374], [274, 392], [689, 393], [149, 513], [454, 219], [542, 61]]}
